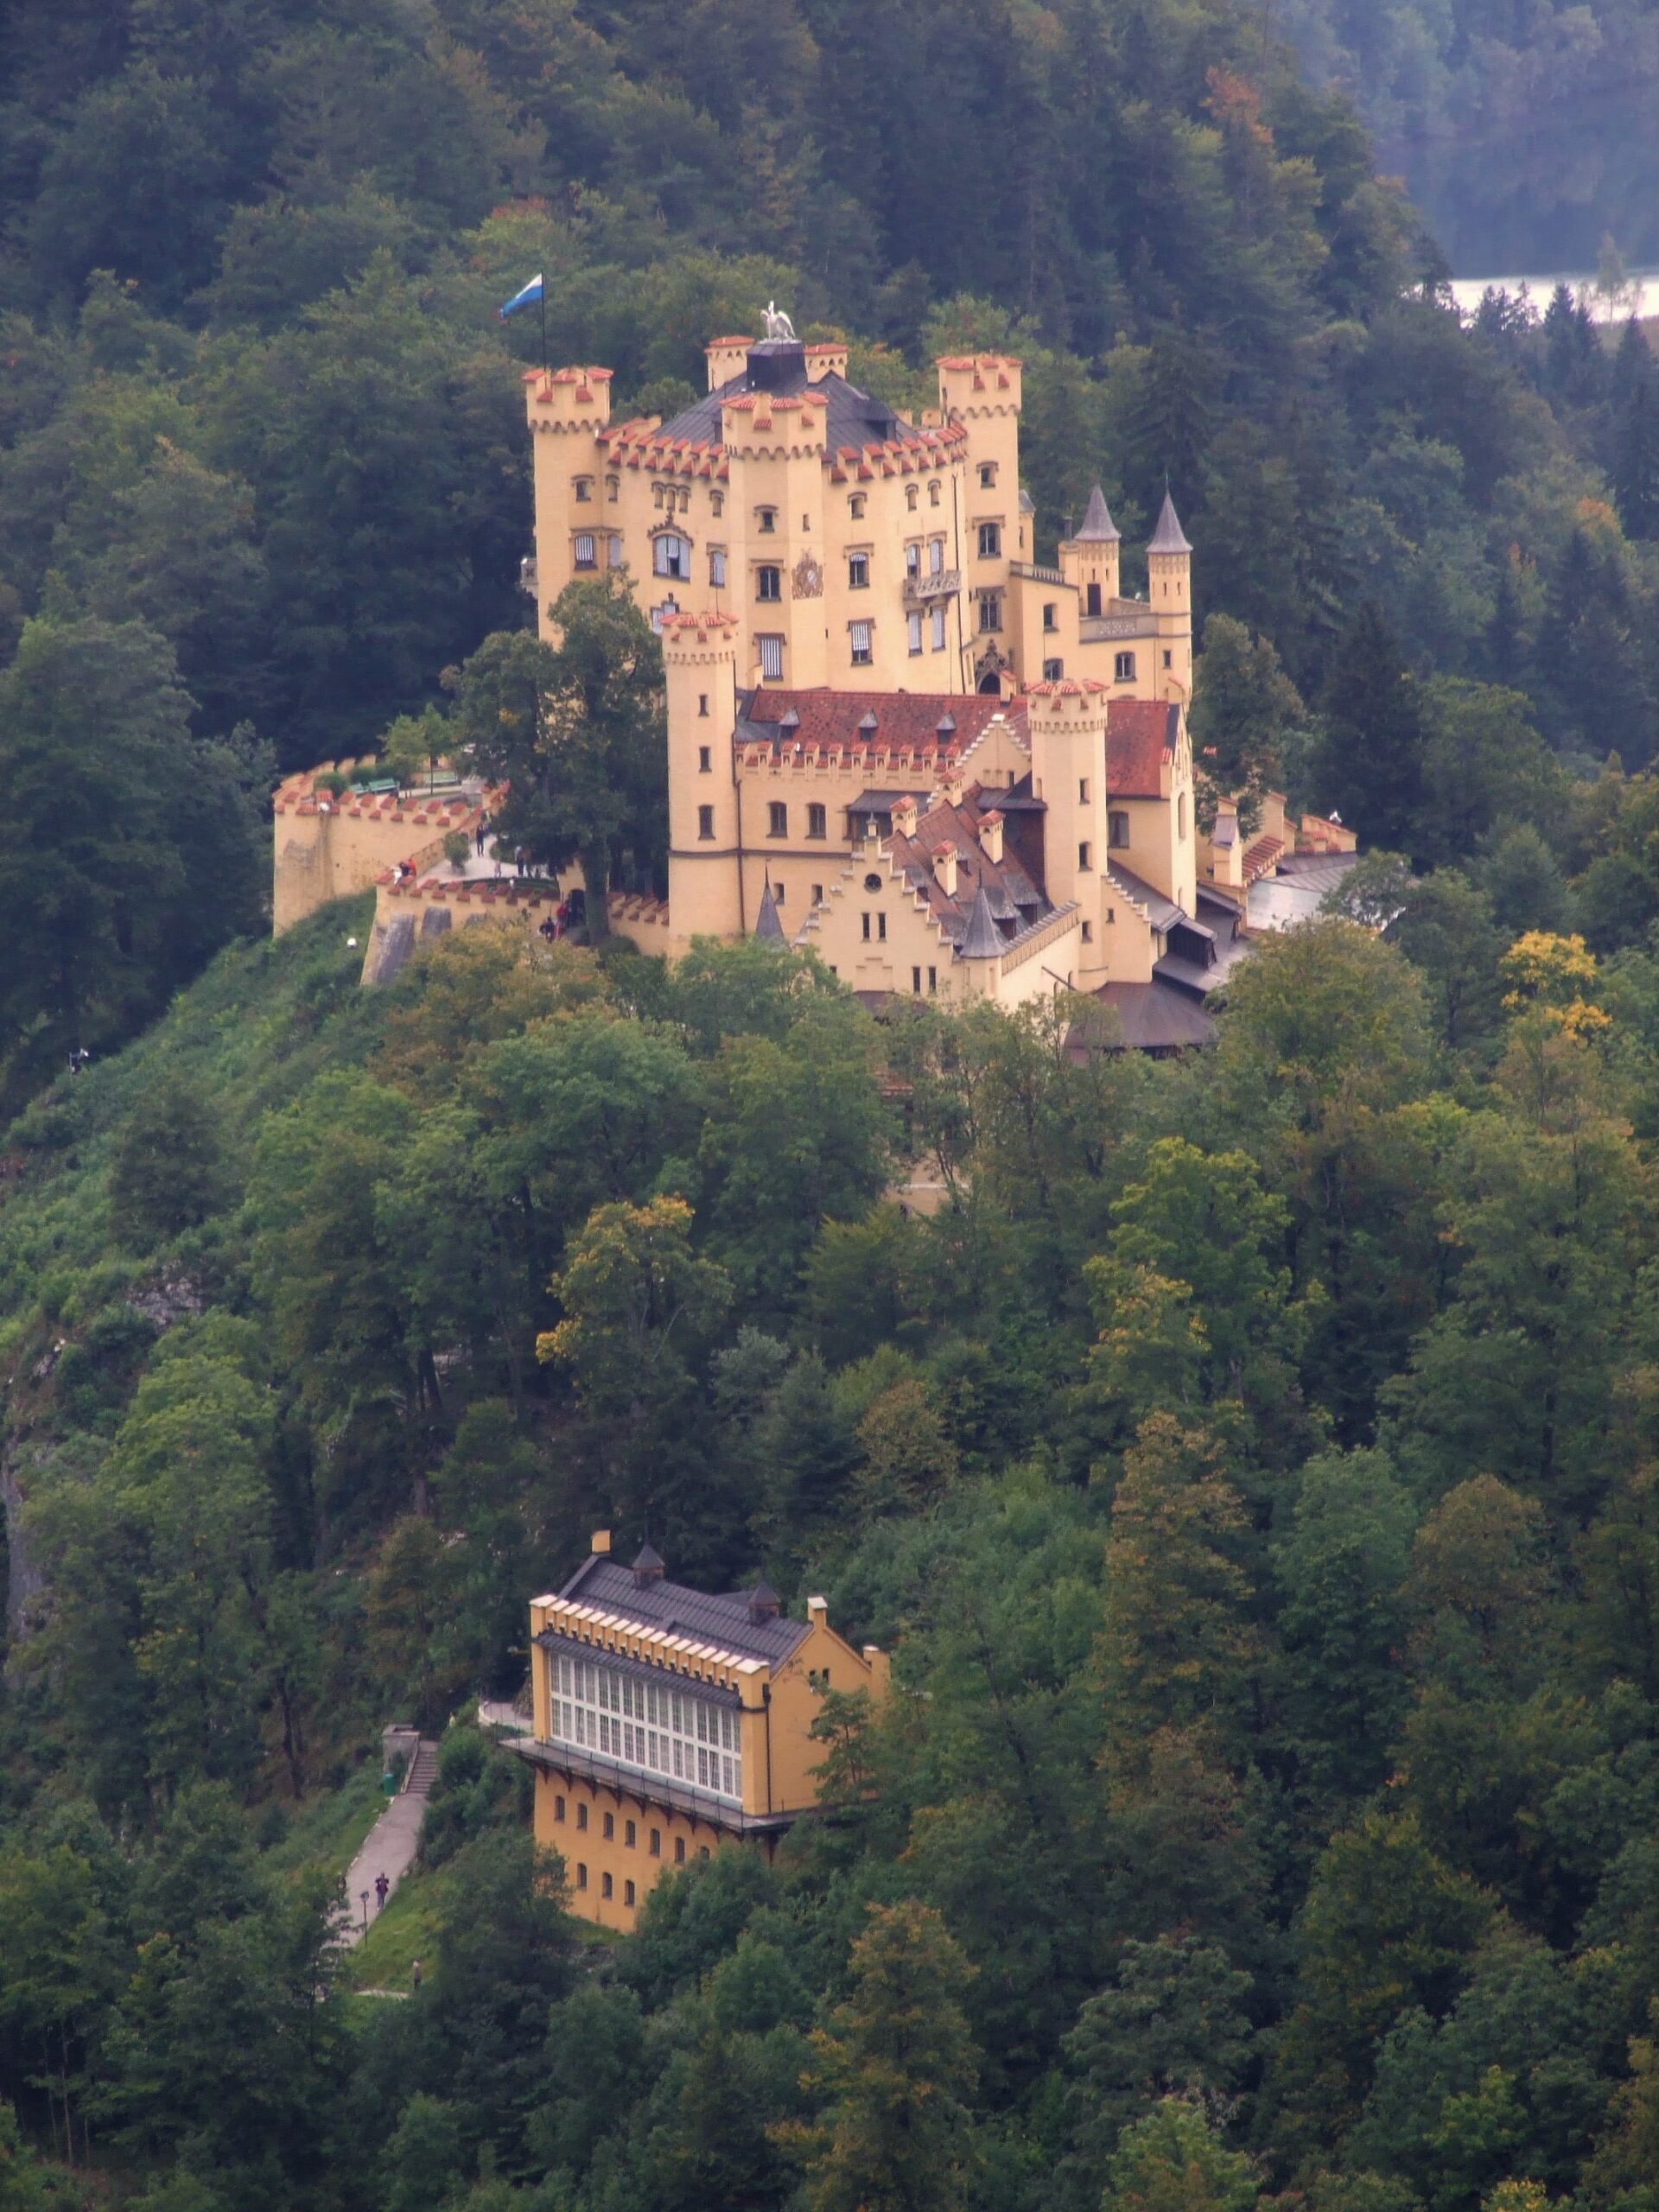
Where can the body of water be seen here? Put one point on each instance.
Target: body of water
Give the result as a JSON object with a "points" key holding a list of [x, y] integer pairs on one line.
{"points": [[1643, 296]]}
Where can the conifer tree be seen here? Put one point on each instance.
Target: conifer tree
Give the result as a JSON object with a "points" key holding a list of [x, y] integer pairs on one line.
{"points": [[1636, 433], [1370, 766]]}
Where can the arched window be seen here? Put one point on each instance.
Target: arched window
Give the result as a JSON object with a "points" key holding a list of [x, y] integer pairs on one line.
{"points": [[585, 554], [1180, 814], [913, 496], [584, 490], [671, 555], [933, 493], [717, 502]]}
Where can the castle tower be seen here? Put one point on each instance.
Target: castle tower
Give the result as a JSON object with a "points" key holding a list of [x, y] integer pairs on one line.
{"points": [[982, 391], [567, 409], [1169, 591], [777, 527], [1090, 559], [705, 895], [1067, 722]]}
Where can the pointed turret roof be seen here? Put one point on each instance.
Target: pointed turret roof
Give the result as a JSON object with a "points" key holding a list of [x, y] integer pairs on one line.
{"points": [[982, 940], [1169, 536], [1098, 527], [766, 922]]}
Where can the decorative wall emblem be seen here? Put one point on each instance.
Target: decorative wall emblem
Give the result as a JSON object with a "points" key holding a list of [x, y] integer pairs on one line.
{"points": [[807, 581]]}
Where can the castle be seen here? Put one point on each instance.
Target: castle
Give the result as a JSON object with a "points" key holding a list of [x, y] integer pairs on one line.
{"points": [[668, 1723], [893, 737]]}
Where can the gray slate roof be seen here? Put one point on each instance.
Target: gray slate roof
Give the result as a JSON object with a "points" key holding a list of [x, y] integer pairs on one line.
{"points": [[1098, 527], [853, 417], [1162, 912], [1169, 536], [722, 1618], [983, 940]]}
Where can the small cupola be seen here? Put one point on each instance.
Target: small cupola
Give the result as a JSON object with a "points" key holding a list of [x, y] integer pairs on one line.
{"points": [[764, 1605], [647, 1567], [945, 729]]}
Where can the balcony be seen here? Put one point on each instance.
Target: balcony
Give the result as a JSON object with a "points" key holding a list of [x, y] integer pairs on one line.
{"points": [[922, 591], [1036, 572]]}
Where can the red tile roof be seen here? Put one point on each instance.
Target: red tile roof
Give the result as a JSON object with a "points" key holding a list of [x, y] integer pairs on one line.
{"points": [[902, 719], [1140, 737]]}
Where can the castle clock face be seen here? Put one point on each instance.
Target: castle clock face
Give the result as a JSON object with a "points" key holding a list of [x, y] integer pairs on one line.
{"points": [[809, 578]]}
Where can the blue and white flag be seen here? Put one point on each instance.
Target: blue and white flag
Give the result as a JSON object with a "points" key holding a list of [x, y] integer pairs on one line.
{"points": [[531, 292]]}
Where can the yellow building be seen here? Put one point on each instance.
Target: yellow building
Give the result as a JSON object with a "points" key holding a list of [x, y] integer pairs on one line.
{"points": [[669, 1723], [852, 547]]}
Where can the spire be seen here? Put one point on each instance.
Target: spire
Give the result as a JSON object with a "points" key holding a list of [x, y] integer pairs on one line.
{"points": [[764, 1605], [983, 939], [1169, 536], [766, 922], [647, 1566], [1098, 527]]}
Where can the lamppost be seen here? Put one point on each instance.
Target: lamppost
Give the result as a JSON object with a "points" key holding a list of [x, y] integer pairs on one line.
{"points": [[365, 1912]]}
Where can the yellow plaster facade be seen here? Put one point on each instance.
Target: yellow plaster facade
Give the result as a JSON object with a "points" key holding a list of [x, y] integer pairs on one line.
{"points": [[609, 1796]]}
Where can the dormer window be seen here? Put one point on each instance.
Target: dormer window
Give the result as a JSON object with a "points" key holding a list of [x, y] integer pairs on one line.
{"points": [[765, 520], [856, 506], [584, 490]]}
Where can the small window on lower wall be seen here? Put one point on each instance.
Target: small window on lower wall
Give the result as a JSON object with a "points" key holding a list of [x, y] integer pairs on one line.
{"points": [[610, 1826], [679, 1850], [558, 1808], [630, 1834], [1117, 829], [1088, 932], [627, 1893], [656, 1843], [703, 1851], [581, 1816], [607, 1887], [581, 1874]]}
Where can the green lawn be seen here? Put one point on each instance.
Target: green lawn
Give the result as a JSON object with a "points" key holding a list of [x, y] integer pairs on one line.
{"points": [[325, 1834]]}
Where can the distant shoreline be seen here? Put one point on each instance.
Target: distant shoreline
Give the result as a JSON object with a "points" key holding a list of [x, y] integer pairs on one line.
{"points": [[1642, 298]]}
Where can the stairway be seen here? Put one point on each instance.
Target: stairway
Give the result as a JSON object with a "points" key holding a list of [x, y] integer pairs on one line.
{"points": [[423, 1770]]}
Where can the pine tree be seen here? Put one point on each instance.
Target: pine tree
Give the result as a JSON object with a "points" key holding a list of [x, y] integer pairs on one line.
{"points": [[1635, 441], [1370, 766]]}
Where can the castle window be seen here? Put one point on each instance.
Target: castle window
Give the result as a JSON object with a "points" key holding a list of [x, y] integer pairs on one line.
{"points": [[765, 520], [939, 629], [859, 633], [617, 554], [660, 614], [990, 610], [671, 556], [1117, 829], [936, 556], [627, 1893], [1091, 603], [658, 493], [987, 475], [932, 983], [817, 894], [587, 550], [1053, 670], [558, 1808], [679, 1850], [717, 502], [777, 894], [584, 490], [913, 496], [933, 493], [717, 564], [856, 506], [771, 650], [607, 1886], [991, 540], [776, 819], [914, 630], [1088, 931], [655, 1844], [1051, 615], [581, 1874], [912, 556], [865, 920], [858, 571], [818, 822], [916, 982], [613, 488], [1123, 668], [1169, 658], [581, 1816], [881, 929], [706, 823], [630, 1834], [703, 1851], [705, 759], [702, 705], [1085, 858], [1083, 790], [610, 1828], [1180, 814], [768, 583], [873, 882]]}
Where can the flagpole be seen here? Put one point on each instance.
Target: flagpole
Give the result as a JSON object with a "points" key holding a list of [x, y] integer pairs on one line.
{"points": [[542, 303]]}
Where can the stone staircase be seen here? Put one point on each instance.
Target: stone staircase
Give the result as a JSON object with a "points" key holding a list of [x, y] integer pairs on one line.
{"points": [[423, 1770]]}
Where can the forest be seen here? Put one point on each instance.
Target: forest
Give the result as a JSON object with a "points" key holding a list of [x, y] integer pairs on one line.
{"points": [[1251, 1463]]}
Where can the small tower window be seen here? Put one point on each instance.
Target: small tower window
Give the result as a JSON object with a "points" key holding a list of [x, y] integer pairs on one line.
{"points": [[607, 1886], [679, 1850], [913, 631], [581, 1873], [658, 493], [933, 493], [581, 1816], [627, 1893], [939, 629], [656, 1845], [1123, 668], [610, 1829], [1085, 858], [858, 571], [584, 490], [817, 821], [765, 520], [991, 540], [705, 760], [860, 633], [771, 650], [613, 488], [987, 475], [1083, 790], [1092, 601], [718, 503], [630, 1837], [912, 556], [1051, 615], [990, 610], [936, 556], [706, 823], [1117, 829], [768, 582], [856, 506], [1053, 670], [776, 819], [717, 565], [913, 496]]}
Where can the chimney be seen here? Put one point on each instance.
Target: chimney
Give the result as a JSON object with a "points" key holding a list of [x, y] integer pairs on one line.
{"points": [[601, 1544], [904, 816], [953, 787], [944, 866], [990, 837], [647, 1567], [818, 1611]]}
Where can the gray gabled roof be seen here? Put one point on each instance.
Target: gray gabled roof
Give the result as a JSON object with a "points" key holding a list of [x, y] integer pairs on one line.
{"points": [[726, 1618], [1098, 527], [982, 940], [1169, 536]]}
